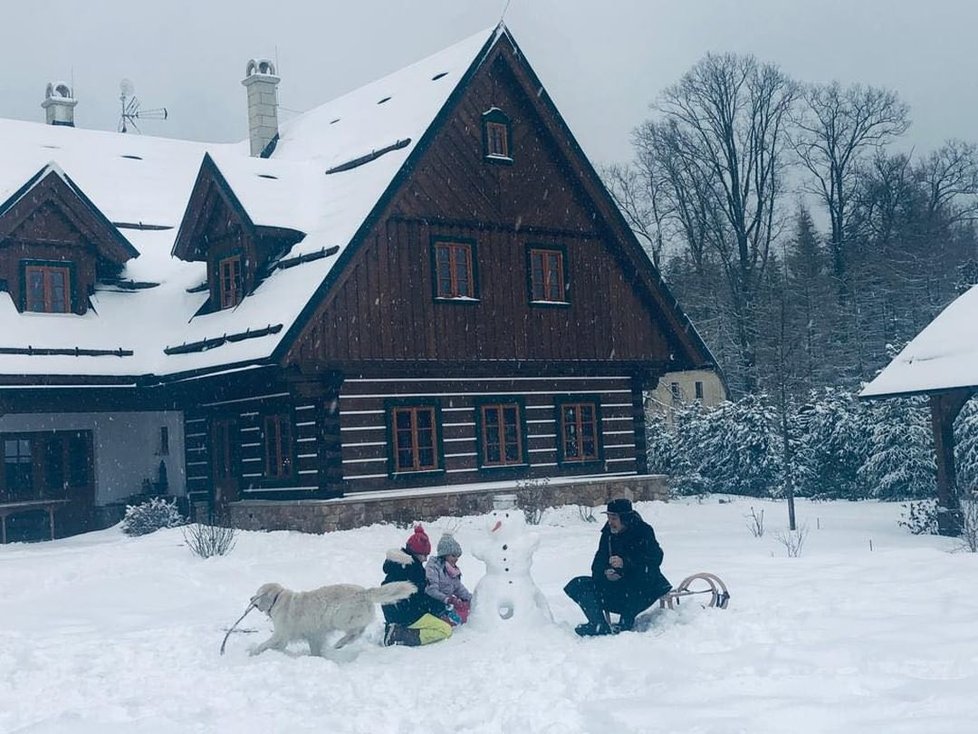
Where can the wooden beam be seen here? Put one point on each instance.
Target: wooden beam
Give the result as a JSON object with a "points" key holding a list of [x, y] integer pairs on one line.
{"points": [[944, 408]]}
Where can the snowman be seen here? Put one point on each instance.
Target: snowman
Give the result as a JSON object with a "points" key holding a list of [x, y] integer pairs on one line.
{"points": [[507, 595]]}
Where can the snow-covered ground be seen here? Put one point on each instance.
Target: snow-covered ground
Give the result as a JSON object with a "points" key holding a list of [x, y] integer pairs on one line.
{"points": [[870, 630]]}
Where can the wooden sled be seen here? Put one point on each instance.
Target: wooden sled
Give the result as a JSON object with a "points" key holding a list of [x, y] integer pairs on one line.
{"points": [[699, 584]]}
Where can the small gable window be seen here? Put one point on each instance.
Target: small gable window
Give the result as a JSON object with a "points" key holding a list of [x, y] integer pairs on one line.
{"points": [[454, 270], [548, 276], [47, 288], [496, 136], [230, 284]]}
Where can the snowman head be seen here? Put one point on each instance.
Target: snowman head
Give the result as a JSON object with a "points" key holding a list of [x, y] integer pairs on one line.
{"points": [[503, 523]]}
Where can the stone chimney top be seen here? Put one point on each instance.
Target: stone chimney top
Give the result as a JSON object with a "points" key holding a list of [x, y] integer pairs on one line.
{"points": [[261, 82], [59, 104]]}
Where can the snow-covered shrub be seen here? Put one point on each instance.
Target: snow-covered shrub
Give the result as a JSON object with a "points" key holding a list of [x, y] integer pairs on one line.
{"points": [[969, 522], [793, 540], [207, 539], [150, 516], [532, 494], [920, 517], [755, 523]]}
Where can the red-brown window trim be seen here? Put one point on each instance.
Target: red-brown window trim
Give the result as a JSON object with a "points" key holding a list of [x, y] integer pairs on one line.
{"points": [[548, 284], [497, 139], [278, 446], [230, 281], [578, 436], [499, 440], [450, 280], [47, 303], [414, 440]]}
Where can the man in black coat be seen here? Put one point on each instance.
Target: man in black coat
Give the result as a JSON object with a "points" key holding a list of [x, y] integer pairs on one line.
{"points": [[625, 576]]}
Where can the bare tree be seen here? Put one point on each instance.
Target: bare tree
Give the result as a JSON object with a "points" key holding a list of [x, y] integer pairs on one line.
{"points": [[950, 177], [835, 129], [638, 192], [721, 145]]}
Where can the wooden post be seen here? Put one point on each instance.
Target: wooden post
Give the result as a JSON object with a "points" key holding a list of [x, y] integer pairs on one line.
{"points": [[944, 408]]}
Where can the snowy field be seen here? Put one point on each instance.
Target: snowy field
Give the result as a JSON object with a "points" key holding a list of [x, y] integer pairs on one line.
{"points": [[870, 630]]}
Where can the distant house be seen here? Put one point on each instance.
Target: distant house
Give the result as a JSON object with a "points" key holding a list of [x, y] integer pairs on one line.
{"points": [[678, 389], [941, 363], [421, 285]]}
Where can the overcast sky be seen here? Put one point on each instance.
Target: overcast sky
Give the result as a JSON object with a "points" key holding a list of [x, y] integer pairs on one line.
{"points": [[603, 61]]}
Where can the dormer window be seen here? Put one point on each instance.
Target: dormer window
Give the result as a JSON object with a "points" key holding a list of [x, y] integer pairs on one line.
{"points": [[496, 138], [231, 285], [47, 288]]}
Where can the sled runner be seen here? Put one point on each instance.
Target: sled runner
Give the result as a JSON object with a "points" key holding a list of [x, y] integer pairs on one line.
{"points": [[698, 584]]}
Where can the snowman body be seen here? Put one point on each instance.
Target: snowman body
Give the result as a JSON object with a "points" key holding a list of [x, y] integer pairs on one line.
{"points": [[507, 594]]}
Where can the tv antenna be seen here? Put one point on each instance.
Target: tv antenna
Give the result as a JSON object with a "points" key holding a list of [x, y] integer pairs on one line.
{"points": [[131, 110]]}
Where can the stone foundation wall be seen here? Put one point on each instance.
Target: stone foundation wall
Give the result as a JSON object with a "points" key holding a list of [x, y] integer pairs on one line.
{"points": [[319, 516]]}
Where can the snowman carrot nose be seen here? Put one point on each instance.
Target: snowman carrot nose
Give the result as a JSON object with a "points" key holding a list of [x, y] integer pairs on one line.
{"points": [[499, 524]]}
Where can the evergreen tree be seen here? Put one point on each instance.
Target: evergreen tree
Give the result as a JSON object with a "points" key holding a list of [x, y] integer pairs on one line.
{"points": [[899, 462]]}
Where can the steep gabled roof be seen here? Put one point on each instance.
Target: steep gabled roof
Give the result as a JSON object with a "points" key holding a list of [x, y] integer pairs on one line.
{"points": [[944, 356], [331, 174], [51, 182]]}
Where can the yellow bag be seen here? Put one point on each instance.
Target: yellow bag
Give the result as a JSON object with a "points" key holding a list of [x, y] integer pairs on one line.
{"points": [[431, 629]]}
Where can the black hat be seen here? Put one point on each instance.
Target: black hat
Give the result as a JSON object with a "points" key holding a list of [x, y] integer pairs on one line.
{"points": [[620, 506]]}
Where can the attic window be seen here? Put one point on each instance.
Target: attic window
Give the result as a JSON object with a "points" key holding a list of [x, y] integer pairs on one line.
{"points": [[497, 136], [231, 286], [438, 76], [132, 157], [268, 175], [385, 99]]}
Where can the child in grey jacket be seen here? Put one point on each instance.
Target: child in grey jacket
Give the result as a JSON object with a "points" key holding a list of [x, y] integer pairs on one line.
{"points": [[445, 580]]}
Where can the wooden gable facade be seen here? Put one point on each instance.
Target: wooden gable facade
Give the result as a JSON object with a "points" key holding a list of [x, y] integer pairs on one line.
{"points": [[493, 320]]}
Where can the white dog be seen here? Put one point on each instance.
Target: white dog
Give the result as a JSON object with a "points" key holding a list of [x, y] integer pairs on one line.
{"points": [[312, 615]]}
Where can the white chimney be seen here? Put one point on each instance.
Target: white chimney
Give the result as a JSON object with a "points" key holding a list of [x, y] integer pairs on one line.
{"points": [[59, 104], [261, 82]]}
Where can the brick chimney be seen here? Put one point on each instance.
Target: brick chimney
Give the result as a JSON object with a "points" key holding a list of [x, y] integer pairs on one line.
{"points": [[261, 82], [59, 104]]}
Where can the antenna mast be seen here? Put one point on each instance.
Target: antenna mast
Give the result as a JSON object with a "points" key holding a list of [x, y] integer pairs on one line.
{"points": [[131, 110]]}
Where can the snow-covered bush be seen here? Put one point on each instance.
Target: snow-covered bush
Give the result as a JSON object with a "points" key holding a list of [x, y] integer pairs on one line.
{"points": [[207, 539], [920, 517], [150, 516]]}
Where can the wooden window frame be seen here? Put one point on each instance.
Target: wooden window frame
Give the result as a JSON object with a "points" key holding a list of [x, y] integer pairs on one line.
{"points": [[47, 268], [415, 447], [230, 286], [541, 292], [224, 439], [497, 136], [485, 439], [278, 446], [578, 403], [454, 246]]}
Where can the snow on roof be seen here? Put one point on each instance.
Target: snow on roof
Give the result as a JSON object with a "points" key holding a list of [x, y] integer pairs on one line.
{"points": [[368, 133], [944, 355]]}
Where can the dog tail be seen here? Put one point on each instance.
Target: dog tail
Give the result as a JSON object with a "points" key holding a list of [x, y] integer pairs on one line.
{"points": [[390, 593]]}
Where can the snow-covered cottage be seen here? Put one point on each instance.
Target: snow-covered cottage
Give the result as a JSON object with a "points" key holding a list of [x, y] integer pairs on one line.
{"points": [[421, 285]]}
